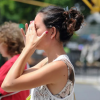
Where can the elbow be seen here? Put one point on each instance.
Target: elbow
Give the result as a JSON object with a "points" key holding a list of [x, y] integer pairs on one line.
{"points": [[6, 87]]}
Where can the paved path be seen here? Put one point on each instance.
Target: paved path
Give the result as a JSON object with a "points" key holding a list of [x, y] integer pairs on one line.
{"points": [[87, 92]]}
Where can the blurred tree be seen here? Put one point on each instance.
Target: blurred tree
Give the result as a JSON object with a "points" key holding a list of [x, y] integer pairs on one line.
{"points": [[70, 3], [21, 13], [16, 11], [4, 7]]}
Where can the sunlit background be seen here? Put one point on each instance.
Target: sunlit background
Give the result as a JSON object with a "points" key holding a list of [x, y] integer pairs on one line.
{"points": [[83, 49]]}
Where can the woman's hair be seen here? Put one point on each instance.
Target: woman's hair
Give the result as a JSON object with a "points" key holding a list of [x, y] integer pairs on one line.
{"points": [[66, 22], [11, 35]]}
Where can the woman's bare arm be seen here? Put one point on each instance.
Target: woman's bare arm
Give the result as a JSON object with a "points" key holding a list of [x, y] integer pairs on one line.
{"points": [[50, 73]]}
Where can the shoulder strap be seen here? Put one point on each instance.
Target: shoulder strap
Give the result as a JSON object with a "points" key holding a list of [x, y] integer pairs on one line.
{"points": [[8, 95], [66, 60]]}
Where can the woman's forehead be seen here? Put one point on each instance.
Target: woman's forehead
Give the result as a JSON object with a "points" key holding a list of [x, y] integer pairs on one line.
{"points": [[38, 18]]}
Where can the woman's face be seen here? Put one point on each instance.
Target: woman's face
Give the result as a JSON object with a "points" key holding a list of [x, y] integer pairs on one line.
{"points": [[39, 25], [3, 49], [40, 28]]}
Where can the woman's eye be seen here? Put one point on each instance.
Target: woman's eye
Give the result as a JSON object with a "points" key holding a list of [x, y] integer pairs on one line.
{"points": [[36, 28]]}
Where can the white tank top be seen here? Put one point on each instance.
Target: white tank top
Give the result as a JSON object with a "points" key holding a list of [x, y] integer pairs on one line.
{"points": [[67, 93]]}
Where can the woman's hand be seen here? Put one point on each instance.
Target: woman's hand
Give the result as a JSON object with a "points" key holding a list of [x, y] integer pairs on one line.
{"points": [[23, 33], [32, 40]]}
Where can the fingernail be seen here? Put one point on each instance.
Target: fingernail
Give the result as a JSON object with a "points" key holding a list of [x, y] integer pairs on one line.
{"points": [[31, 22], [46, 32]]}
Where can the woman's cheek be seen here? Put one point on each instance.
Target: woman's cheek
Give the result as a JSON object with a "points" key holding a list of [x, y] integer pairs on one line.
{"points": [[39, 32]]}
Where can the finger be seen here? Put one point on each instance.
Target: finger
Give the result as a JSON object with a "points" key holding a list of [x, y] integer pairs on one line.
{"points": [[34, 27], [31, 21], [22, 31], [23, 34], [40, 38], [28, 30], [31, 24], [44, 33], [26, 27]]}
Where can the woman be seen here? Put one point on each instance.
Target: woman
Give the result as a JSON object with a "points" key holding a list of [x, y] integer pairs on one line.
{"points": [[11, 45], [53, 77]]}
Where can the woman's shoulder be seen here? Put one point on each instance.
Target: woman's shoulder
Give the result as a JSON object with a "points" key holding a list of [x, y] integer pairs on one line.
{"points": [[63, 57], [45, 60]]}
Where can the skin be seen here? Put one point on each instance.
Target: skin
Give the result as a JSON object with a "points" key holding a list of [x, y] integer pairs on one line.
{"points": [[4, 49], [53, 74]]}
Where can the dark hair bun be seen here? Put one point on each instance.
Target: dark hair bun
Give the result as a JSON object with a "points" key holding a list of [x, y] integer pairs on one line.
{"points": [[73, 20], [77, 16]]}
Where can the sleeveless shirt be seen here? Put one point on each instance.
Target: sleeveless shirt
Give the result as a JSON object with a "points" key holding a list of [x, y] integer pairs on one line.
{"points": [[67, 93]]}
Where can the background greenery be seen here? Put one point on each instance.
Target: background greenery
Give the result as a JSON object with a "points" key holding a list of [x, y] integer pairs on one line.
{"points": [[21, 13]]}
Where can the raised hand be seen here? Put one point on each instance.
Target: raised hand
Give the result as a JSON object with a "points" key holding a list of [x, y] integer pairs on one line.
{"points": [[32, 40]]}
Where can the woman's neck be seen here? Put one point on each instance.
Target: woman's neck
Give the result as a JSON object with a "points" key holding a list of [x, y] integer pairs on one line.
{"points": [[54, 51]]}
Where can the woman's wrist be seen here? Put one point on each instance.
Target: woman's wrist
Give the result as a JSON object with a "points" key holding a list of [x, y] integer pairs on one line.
{"points": [[28, 51], [30, 48]]}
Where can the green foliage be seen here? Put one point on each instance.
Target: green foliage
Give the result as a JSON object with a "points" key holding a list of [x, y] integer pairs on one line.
{"points": [[21, 13], [16, 11], [67, 50]]}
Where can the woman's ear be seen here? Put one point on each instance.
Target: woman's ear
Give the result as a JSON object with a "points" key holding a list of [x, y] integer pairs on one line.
{"points": [[53, 32]]}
